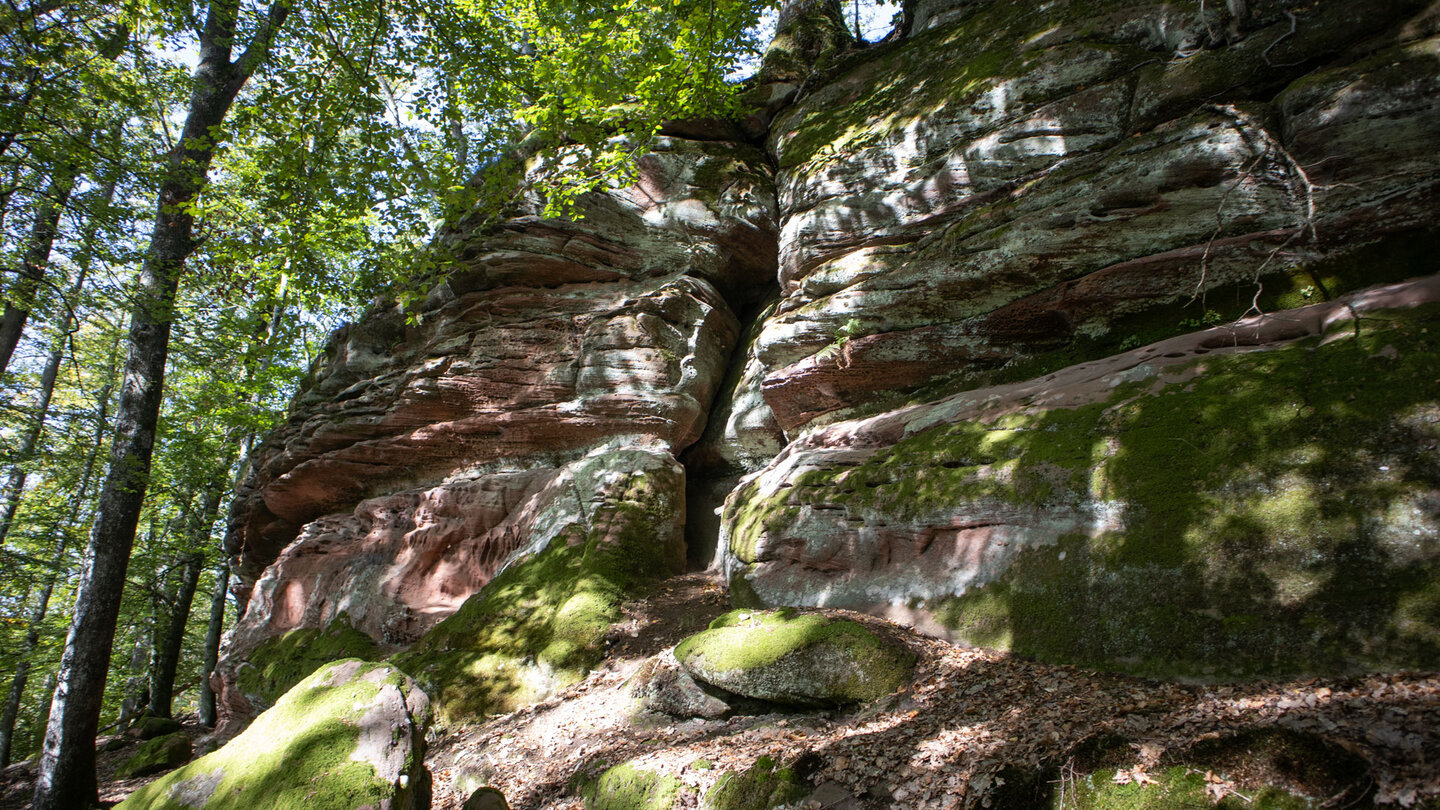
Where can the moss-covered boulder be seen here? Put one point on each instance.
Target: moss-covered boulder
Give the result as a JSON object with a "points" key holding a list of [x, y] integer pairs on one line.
{"points": [[630, 787], [154, 756], [149, 727], [805, 659], [540, 625], [1254, 499], [486, 798], [1260, 767], [761, 786], [349, 736]]}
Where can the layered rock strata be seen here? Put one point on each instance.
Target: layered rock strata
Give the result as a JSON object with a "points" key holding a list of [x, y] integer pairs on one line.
{"points": [[434, 447], [974, 280]]}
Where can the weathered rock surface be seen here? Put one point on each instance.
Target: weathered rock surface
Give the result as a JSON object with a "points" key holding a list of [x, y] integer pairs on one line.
{"points": [[1034, 184], [931, 283], [802, 659], [1189, 508], [351, 735], [663, 687], [424, 458], [541, 623]]}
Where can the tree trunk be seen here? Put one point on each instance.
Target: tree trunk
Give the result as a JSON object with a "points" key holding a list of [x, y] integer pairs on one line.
{"points": [[66, 778], [20, 299], [15, 482], [208, 714], [60, 532], [169, 644]]}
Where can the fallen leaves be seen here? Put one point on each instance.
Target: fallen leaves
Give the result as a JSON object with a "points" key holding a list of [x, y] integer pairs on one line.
{"points": [[948, 740]]}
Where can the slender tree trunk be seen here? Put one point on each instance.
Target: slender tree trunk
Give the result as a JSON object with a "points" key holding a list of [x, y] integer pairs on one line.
{"points": [[66, 777], [21, 299], [169, 643], [60, 533], [15, 482], [208, 714], [137, 686]]}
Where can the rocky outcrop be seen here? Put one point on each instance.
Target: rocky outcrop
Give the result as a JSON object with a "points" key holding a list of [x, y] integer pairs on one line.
{"points": [[970, 215], [1255, 498], [351, 735], [435, 446], [1032, 185], [947, 349]]}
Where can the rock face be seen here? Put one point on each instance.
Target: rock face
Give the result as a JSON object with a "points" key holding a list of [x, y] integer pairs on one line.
{"points": [[556, 363], [972, 214], [1192, 508], [1076, 329], [351, 735]]}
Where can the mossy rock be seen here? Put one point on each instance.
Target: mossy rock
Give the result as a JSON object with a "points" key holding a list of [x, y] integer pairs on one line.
{"points": [[349, 736], [278, 663], [629, 787], [804, 659], [1268, 512], [150, 727], [540, 625], [154, 756], [763, 785], [1174, 788], [486, 798], [1270, 768]]}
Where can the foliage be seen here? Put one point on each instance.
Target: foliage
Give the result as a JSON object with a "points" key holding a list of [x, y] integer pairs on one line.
{"points": [[365, 128]]}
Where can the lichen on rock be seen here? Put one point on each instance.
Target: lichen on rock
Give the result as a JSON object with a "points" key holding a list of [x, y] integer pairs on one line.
{"points": [[806, 659]]}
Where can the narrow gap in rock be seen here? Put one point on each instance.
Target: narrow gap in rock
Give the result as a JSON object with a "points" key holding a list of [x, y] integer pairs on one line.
{"points": [[715, 463]]}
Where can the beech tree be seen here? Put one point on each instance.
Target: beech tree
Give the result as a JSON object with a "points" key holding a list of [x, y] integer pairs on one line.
{"points": [[349, 111]]}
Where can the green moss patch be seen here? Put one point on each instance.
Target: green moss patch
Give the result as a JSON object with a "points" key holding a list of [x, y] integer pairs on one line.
{"points": [[763, 785], [279, 663], [1277, 511], [154, 756], [295, 756], [789, 657], [540, 624], [1273, 517], [628, 787]]}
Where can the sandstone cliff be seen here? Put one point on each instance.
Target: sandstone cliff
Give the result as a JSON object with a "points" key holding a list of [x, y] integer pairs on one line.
{"points": [[1104, 332]]}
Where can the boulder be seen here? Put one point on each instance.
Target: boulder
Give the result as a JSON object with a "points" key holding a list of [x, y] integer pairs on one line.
{"points": [[349, 736], [662, 686], [805, 659], [629, 786], [486, 798], [763, 785], [157, 755], [149, 727]]}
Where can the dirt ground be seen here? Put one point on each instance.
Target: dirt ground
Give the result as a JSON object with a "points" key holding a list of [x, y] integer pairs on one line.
{"points": [[974, 729]]}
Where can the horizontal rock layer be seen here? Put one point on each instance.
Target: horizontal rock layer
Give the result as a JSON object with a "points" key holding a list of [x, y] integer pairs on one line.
{"points": [[933, 282], [1255, 498]]}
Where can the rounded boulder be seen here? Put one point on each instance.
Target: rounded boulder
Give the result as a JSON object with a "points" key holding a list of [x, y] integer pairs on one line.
{"points": [[803, 659]]}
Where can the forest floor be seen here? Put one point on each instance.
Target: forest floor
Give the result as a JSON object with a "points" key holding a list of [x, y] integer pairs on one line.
{"points": [[974, 729]]}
